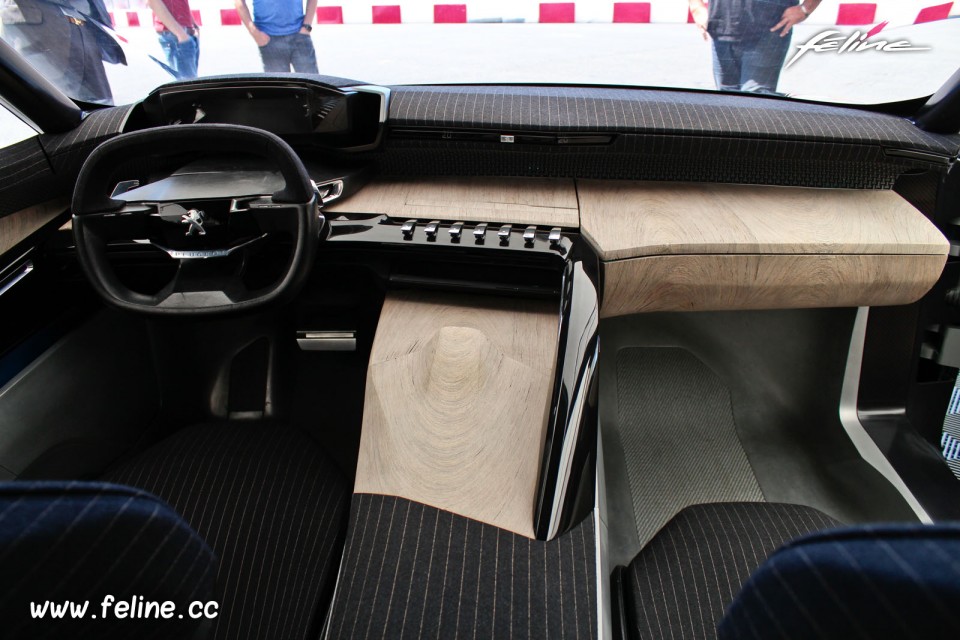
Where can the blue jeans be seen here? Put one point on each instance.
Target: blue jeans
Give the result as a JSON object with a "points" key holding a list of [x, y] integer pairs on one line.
{"points": [[294, 50], [751, 63], [183, 57]]}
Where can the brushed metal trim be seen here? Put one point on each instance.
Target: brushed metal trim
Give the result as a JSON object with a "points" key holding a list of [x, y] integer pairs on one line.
{"points": [[383, 92], [14, 278], [200, 254], [327, 340], [850, 419], [604, 609]]}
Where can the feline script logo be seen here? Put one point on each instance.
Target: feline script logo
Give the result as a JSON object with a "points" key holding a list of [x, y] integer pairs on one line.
{"points": [[856, 42]]}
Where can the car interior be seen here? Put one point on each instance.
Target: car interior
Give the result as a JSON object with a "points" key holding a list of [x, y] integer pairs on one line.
{"points": [[476, 361]]}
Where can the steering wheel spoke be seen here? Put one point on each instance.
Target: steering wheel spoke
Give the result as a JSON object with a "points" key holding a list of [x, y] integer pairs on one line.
{"points": [[110, 227]]}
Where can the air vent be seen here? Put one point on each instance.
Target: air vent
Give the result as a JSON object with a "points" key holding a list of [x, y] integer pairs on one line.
{"points": [[505, 137]]}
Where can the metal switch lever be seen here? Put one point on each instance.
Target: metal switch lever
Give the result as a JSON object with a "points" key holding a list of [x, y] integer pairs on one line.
{"points": [[407, 228], [456, 230], [431, 229], [530, 234], [554, 235], [504, 233], [480, 232], [327, 340]]}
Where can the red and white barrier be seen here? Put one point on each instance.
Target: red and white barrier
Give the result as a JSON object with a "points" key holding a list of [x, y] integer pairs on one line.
{"points": [[830, 12]]}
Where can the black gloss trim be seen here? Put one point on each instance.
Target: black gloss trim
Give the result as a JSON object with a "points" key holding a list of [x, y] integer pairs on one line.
{"points": [[576, 354]]}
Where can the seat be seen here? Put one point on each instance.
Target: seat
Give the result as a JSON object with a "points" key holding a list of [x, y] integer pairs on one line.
{"points": [[881, 581], [272, 507], [811, 578], [83, 542], [680, 583]]}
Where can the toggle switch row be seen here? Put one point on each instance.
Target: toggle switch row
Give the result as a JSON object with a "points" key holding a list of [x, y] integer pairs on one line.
{"points": [[432, 230]]}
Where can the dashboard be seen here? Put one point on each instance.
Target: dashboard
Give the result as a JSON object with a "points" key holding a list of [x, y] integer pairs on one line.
{"points": [[809, 217], [604, 165]]}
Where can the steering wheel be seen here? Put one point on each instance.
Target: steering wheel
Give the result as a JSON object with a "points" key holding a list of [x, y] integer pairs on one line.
{"points": [[208, 234]]}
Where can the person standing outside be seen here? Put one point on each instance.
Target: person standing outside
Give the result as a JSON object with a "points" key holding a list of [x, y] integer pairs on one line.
{"points": [[281, 28], [179, 35], [750, 39]]}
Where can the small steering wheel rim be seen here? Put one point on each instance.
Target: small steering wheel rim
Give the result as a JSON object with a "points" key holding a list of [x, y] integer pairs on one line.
{"points": [[92, 205]]}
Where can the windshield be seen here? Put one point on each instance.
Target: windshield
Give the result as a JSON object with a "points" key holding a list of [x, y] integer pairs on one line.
{"points": [[117, 51]]}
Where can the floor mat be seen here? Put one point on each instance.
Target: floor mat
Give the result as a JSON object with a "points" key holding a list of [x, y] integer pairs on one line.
{"points": [[677, 429]]}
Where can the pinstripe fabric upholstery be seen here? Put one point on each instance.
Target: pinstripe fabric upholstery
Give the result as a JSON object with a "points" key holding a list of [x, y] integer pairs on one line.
{"points": [[413, 571], [680, 583], [660, 135], [877, 581], [26, 178], [67, 151], [272, 507], [651, 111], [96, 127], [45, 166], [82, 541], [655, 157]]}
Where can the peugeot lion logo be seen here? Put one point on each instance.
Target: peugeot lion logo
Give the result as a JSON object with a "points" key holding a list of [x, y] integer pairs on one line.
{"points": [[194, 218]]}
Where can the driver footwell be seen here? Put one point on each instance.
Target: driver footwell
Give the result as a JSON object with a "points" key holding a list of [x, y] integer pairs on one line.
{"points": [[729, 407]]}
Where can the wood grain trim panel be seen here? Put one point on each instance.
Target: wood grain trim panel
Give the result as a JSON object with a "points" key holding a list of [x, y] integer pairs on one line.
{"points": [[634, 219], [546, 202], [17, 227], [457, 397], [726, 282]]}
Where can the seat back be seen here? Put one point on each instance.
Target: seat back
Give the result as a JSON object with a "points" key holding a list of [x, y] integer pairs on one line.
{"points": [[878, 581], [63, 543]]}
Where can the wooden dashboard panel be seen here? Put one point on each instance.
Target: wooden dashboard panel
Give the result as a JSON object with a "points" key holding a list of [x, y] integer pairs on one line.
{"points": [[16, 227], [726, 282], [697, 247], [539, 201], [457, 398], [633, 219]]}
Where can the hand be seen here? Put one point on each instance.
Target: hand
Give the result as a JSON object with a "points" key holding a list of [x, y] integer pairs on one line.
{"points": [[304, 31], [700, 17], [182, 36], [260, 38], [791, 16]]}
